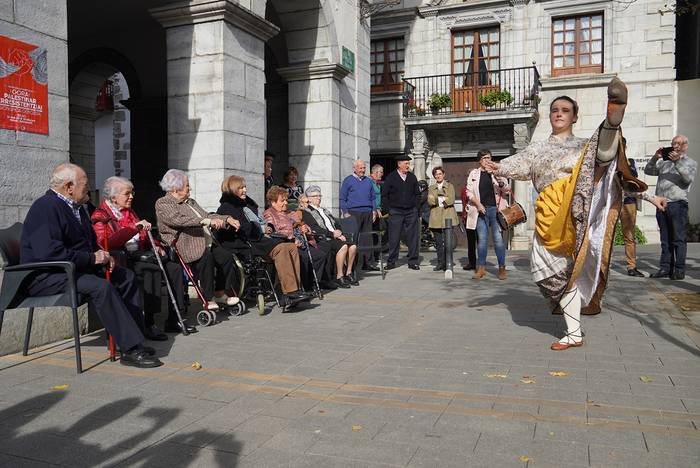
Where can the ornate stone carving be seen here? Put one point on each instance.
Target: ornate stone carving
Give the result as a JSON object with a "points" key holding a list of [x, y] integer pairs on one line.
{"points": [[419, 152], [466, 19], [521, 135]]}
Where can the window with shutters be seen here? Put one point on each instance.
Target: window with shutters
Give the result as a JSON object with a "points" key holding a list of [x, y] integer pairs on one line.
{"points": [[577, 44]]}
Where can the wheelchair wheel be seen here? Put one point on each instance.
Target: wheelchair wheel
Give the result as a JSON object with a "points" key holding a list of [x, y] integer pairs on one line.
{"points": [[261, 304], [206, 318], [238, 309]]}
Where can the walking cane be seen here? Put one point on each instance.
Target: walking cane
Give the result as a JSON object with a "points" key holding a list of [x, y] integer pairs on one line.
{"points": [[167, 283], [108, 274]]}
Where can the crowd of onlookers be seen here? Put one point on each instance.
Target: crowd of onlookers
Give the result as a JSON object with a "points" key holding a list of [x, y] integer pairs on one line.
{"points": [[310, 247]]}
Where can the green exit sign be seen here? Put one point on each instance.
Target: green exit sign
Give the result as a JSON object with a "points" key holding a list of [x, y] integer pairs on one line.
{"points": [[348, 59]]}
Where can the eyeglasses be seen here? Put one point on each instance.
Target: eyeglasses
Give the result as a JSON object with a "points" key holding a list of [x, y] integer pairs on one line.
{"points": [[128, 194], [313, 196]]}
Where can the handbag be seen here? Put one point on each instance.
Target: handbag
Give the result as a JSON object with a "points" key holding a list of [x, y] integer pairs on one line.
{"points": [[145, 256]]}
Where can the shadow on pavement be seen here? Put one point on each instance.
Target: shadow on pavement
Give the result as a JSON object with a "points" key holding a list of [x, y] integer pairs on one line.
{"points": [[94, 439], [526, 309], [653, 323]]}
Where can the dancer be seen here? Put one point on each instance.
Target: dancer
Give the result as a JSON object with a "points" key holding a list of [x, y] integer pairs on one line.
{"points": [[580, 183]]}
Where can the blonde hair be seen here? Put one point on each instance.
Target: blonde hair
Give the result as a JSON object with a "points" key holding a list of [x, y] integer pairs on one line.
{"points": [[232, 184]]}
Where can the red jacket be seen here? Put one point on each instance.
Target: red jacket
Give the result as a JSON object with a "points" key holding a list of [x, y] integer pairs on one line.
{"points": [[118, 231]]}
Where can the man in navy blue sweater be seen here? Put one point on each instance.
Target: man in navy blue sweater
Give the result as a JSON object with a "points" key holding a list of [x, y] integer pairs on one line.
{"points": [[57, 228], [357, 199], [402, 198]]}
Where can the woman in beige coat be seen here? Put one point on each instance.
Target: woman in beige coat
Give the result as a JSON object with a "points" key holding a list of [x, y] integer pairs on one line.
{"points": [[441, 199]]}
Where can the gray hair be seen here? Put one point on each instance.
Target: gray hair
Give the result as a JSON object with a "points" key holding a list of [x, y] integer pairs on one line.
{"points": [[357, 162], [312, 189], [683, 138], [113, 186], [65, 172], [173, 180], [376, 167]]}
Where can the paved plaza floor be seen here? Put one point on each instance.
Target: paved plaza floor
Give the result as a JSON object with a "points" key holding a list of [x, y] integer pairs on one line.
{"points": [[411, 371]]}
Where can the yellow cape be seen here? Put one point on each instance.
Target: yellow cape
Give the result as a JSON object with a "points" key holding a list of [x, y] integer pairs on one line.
{"points": [[553, 223]]}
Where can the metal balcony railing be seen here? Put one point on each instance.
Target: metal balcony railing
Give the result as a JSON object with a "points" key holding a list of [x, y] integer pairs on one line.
{"points": [[481, 91]]}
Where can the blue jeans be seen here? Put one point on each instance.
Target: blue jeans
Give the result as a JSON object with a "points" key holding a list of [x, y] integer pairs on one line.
{"points": [[485, 223], [672, 223]]}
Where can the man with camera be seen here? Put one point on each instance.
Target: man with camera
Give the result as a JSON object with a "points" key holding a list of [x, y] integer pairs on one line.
{"points": [[675, 171]]}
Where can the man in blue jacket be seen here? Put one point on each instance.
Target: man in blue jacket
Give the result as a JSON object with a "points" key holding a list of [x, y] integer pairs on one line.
{"points": [[357, 199], [57, 228]]}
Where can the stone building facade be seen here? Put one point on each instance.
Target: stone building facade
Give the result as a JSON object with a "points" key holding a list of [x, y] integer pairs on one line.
{"points": [[212, 84], [536, 50]]}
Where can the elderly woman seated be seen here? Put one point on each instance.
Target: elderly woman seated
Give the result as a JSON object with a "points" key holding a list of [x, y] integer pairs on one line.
{"points": [[284, 223], [118, 226], [321, 221], [254, 234], [180, 217]]}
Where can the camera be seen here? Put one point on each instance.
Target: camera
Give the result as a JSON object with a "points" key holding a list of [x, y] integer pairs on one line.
{"points": [[665, 152]]}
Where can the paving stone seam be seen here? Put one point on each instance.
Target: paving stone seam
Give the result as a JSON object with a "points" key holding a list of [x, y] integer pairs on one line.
{"points": [[301, 382], [442, 408]]}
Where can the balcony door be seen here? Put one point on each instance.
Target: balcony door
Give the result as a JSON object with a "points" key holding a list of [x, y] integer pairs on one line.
{"points": [[475, 65]]}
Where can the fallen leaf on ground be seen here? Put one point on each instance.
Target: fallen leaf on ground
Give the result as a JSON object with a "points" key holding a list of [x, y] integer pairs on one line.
{"points": [[356, 428], [60, 387], [646, 379], [321, 411], [524, 458], [196, 365], [527, 381], [559, 373], [496, 376], [551, 433]]}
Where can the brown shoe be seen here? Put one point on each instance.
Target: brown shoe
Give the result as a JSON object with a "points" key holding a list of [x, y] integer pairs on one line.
{"points": [[479, 273], [617, 101], [502, 273], [556, 346]]}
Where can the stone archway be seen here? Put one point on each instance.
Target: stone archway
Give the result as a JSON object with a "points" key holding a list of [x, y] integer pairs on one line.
{"points": [[91, 146], [320, 100], [140, 134]]}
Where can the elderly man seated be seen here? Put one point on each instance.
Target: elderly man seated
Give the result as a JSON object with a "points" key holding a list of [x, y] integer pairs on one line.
{"points": [[321, 221], [285, 223], [57, 228], [180, 217], [118, 225]]}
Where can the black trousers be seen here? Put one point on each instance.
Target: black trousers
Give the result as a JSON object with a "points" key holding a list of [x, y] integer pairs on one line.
{"points": [[215, 270], [471, 246], [439, 235], [150, 279], [405, 220], [318, 262], [118, 303], [364, 224]]}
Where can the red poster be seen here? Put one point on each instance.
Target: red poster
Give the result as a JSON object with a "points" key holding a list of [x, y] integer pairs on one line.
{"points": [[24, 92]]}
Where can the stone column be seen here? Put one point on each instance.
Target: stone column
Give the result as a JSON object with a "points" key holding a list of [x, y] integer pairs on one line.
{"points": [[216, 104], [419, 152], [522, 191], [316, 138]]}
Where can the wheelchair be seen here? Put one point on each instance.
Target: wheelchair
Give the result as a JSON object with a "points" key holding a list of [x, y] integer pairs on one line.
{"points": [[259, 282]]}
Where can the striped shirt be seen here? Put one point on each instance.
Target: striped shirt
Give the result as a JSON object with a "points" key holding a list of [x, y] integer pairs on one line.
{"points": [[74, 206]]}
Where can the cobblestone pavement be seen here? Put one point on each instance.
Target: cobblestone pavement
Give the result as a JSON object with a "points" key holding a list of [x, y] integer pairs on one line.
{"points": [[410, 371]]}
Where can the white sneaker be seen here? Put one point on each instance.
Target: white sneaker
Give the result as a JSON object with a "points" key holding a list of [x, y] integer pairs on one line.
{"points": [[228, 301], [211, 305]]}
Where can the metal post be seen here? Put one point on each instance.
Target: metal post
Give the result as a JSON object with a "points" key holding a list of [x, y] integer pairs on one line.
{"points": [[449, 262]]}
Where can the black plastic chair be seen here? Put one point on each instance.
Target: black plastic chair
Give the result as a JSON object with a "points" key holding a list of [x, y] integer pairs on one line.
{"points": [[370, 241], [12, 295]]}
